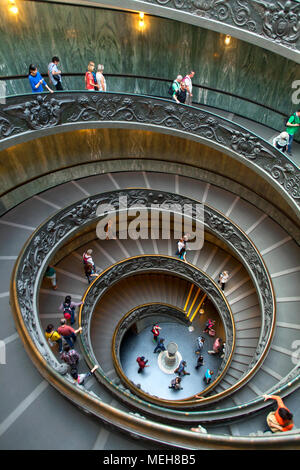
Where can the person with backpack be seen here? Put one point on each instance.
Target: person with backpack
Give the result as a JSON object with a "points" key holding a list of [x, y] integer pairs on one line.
{"points": [[70, 356], [181, 94], [55, 74], [87, 258], [292, 127], [54, 338], [68, 307], [175, 86]]}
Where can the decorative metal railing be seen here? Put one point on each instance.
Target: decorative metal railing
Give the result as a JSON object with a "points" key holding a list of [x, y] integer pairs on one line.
{"points": [[159, 264], [63, 225], [26, 117], [27, 276]]}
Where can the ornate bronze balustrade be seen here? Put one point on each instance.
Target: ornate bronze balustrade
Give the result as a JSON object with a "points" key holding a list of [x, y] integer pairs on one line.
{"points": [[51, 235], [158, 264], [30, 116]]}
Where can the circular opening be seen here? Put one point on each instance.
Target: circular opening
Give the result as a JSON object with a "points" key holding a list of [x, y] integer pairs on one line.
{"points": [[164, 361]]}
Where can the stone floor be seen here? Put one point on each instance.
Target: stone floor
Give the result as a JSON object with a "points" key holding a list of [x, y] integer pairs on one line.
{"points": [[153, 380]]}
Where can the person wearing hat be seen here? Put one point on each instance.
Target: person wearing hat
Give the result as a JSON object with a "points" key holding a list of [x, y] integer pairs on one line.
{"points": [[281, 141]]}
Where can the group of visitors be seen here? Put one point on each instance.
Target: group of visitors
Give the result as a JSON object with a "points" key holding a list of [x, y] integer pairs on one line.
{"points": [[65, 337], [64, 331], [93, 80], [218, 349], [38, 83], [181, 89], [285, 139]]}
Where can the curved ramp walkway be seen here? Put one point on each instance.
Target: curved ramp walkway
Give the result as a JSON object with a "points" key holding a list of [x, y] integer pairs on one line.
{"points": [[280, 253]]}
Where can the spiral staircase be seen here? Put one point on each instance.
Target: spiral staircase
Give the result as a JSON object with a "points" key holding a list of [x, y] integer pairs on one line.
{"points": [[280, 255], [250, 229]]}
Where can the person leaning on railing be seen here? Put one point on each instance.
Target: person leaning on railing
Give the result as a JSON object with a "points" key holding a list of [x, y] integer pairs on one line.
{"points": [[36, 80], [280, 420]]}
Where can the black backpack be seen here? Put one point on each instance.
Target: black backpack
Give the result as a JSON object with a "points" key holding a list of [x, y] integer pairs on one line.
{"points": [[171, 91], [67, 310], [287, 118]]}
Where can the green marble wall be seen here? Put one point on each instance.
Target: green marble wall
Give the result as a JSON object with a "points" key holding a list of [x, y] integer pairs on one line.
{"points": [[165, 48]]}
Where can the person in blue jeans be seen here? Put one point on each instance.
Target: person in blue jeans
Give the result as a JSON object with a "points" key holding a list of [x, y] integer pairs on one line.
{"points": [[68, 307], [36, 80], [160, 345], [67, 332]]}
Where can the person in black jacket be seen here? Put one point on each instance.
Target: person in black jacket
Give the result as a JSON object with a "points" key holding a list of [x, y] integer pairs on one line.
{"points": [[180, 95]]}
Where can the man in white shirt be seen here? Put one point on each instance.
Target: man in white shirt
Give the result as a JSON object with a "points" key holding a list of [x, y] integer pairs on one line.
{"points": [[55, 74], [189, 87]]}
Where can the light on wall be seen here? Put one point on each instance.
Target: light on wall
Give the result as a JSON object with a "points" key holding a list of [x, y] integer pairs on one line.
{"points": [[227, 40], [141, 20], [13, 7]]}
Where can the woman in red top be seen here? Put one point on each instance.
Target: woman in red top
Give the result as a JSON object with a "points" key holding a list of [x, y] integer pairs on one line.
{"points": [[89, 78], [155, 331], [280, 420]]}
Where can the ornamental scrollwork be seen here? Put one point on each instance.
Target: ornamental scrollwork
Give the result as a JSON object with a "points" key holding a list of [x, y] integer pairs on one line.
{"points": [[286, 176], [43, 112], [7, 128], [281, 20], [141, 264], [51, 235], [39, 113], [277, 21]]}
